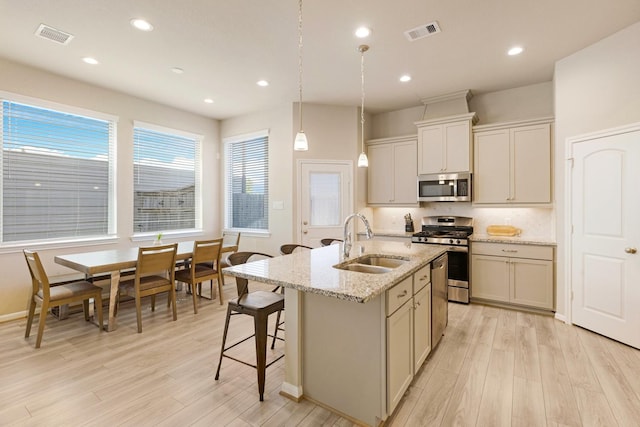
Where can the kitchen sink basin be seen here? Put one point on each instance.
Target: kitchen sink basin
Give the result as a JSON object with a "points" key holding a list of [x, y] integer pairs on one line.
{"points": [[364, 268], [381, 261], [372, 264]]}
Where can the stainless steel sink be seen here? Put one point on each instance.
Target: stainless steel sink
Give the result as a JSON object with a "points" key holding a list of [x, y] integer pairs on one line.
{"points": [[364, 268], [382, 261], [372, 264]]}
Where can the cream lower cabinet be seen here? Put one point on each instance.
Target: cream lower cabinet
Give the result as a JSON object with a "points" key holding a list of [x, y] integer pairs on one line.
{"points": [[513, 274], [408, 332], [512, 164]]}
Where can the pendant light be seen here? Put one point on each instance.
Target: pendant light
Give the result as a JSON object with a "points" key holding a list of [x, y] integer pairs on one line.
{"points": [[363, 161], [300, 143]]}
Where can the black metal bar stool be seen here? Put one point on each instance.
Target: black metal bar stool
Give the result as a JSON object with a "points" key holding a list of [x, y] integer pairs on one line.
{"points": [[259, 304]]}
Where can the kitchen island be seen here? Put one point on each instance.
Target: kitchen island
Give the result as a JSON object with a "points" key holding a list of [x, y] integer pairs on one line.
{"points": [[339, 350]]}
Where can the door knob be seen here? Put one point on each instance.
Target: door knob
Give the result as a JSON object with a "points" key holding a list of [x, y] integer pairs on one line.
{"points": [[305, 232], [630, 250], [304, 222]]}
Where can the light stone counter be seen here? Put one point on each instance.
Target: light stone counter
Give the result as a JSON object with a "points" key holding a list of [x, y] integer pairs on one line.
{"points": [[312, 271], [541, 241]]}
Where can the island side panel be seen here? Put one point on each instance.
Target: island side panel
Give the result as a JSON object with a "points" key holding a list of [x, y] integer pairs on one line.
{"points": [[344, 356], [292, 385]]}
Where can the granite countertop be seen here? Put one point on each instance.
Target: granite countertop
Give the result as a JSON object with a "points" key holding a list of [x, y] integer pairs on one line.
{"points": [[520, 240], [312, 271]]}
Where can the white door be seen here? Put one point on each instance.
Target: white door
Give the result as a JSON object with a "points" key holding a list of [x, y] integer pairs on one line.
{"points": [[325, 199], [605, 210]]}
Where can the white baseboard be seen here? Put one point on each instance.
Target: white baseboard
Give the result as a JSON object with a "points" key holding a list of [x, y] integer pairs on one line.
{"points": [[291, 390], [561, 317], [13, 316]]}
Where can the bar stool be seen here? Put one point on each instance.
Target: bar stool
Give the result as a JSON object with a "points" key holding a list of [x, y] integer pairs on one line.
{"points": [[329, 241], [259, 305], [290, 247]]}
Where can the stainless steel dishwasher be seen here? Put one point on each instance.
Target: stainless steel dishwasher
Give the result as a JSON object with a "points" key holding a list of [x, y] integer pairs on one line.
{"points": [[439, 298]]}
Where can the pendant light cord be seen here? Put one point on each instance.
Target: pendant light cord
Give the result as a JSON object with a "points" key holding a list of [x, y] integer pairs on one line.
{"points": [[300, 63], [362, 98]]}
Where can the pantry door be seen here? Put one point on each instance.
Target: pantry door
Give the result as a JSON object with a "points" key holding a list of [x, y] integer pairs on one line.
{"points": [[324, 189], [605, 211]]}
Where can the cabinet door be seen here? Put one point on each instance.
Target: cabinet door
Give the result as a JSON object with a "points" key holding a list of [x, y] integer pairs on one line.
{"points": [[491, 180], [405, 175], [430, 149], [532, 283], [531, 148], [399, 354], [490, 277], [457, 138], [380, 183], [421, 327]]}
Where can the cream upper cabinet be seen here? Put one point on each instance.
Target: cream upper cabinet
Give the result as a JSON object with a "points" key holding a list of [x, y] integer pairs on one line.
{"points": [[512, 163], [444, 145], [392, 176]]}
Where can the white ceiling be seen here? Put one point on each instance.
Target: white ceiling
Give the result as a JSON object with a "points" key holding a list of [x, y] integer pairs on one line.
{"points": [[225, 46]]}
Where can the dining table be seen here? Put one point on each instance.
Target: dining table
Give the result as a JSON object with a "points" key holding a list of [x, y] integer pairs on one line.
{"points": [[113, 262]]}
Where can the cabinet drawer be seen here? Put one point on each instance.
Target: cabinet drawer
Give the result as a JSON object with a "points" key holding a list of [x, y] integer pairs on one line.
{"points": [[512, 251], [421, 278], [399, 294]]}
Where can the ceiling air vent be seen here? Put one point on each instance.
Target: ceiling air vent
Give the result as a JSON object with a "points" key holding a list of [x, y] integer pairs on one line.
{"points": [[422, 31], [50, 33]]}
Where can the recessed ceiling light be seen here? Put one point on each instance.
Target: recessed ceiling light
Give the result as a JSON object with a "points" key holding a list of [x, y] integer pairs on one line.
{"points": [[262, 83], [208, 101], [405, 78], [90, 60], [141, 24], [177, 70], [516, 50], [363, 32]]}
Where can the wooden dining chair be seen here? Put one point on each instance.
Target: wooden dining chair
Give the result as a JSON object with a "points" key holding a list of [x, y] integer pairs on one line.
{"points": [[154, 274], [259, 305], [229, 239], [329, 241], [54, 296], [203, 267], [290, 247]]}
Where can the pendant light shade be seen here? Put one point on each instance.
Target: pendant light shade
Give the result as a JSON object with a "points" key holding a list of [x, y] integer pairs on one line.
{"points": [[363, 161], [300, 143]]}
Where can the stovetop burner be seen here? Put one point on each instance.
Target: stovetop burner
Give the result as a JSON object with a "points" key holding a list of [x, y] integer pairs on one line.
{"points": [[449, 230]]}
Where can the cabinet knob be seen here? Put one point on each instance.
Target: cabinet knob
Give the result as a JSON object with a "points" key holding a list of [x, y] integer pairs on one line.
{"points": [[512, 251], [630, 250]]}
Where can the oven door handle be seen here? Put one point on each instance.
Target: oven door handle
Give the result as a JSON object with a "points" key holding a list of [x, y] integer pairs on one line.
{"points": [[458, 249]]}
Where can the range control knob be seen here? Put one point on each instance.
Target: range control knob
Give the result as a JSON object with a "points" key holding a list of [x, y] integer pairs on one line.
{"points": [[451, 241], [458, 241]]}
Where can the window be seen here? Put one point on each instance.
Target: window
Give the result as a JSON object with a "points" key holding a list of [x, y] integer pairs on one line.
{"points": [[166, 167], [247, 182], [57, 172]]}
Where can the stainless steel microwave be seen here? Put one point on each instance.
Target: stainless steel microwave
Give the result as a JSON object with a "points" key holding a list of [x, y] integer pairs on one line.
{"points": [[452, 187]]}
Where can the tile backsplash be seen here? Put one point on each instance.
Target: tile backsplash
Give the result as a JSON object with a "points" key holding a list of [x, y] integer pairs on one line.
{"points": [[534, 222]]}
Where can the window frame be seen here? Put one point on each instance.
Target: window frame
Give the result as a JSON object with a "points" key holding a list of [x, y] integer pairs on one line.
{"points": [[112, 179], [197, 230], [237, 139]]}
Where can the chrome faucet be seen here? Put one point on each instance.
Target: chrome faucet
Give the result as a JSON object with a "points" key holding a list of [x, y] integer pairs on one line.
{"points": [[347, 233]]}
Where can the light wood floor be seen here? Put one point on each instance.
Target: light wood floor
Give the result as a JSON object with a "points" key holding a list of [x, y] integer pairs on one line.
{"points": [[494, 367]]}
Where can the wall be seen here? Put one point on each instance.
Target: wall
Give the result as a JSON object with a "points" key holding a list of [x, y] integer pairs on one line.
{"points": [[279, 122], [525, 102], [334, 134], [596, 88], [15, 283]]}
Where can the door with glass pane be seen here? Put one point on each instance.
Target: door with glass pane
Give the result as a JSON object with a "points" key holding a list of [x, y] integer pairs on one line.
{"points": [[325, 200]]}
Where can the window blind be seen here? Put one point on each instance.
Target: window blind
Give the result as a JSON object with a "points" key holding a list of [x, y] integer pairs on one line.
{"points": [[247, 182], [166, 179], [57, 174]]}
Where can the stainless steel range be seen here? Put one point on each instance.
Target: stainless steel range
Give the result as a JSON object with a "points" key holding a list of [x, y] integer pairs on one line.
{"points": [[452, 232]]}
